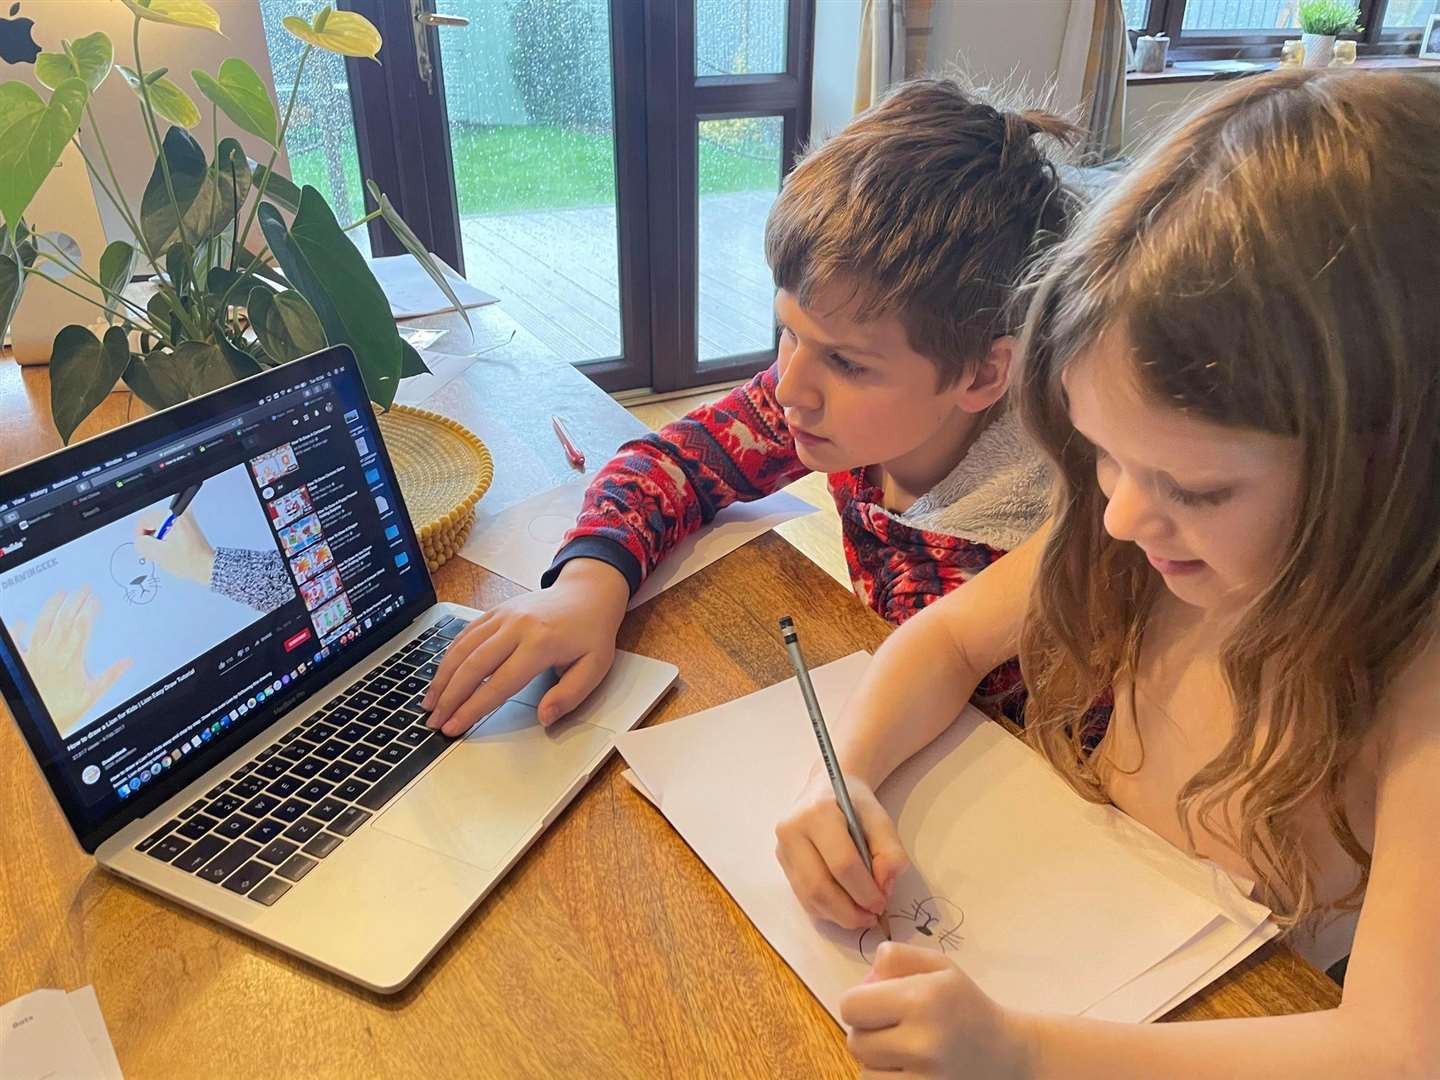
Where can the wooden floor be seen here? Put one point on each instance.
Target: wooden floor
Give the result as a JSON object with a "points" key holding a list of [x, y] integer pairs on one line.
{"points": [[556, 272], [816, 535]]}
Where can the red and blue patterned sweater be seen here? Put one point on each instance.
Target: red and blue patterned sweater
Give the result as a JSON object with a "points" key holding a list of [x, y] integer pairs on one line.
{"points": [[664, 486]]}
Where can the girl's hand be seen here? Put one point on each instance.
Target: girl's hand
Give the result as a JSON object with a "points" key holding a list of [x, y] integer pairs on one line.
{"points": [[822, 863], [918, 1015]]}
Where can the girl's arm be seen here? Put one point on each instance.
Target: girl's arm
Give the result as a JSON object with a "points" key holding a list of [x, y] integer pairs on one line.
{"points": [[925, 672], [914, 689], [933, 1019]]}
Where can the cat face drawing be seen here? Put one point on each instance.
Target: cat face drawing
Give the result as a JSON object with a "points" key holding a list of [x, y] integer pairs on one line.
{"points": [[135, 574], [933, 923]]}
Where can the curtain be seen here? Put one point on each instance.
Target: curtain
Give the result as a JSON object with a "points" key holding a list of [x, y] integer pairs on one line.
{"points": [[882, 50], [1092, 74]]}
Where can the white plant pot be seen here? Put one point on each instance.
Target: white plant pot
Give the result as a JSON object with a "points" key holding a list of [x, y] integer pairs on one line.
{"points": [[1319, 48]]}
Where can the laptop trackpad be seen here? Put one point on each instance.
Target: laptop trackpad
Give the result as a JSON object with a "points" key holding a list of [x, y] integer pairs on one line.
{"points": [[485, 795]]}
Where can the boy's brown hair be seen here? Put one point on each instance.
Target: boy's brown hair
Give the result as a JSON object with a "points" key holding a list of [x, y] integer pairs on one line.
{"points": [[930, 205]]}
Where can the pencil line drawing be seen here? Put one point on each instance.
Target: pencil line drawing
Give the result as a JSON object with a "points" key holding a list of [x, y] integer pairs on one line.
{"points": [[135, 574], [932, 922]]}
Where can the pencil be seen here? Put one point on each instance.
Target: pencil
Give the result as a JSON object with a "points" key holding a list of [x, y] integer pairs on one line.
{"points": [[827, 749]]}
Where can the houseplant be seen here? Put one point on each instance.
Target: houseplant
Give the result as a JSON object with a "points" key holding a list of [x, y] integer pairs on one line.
{"points": [[1321, 22], [251, 271]]}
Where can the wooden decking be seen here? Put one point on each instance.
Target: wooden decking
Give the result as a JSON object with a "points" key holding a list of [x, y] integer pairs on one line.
{"points": [[556, 273]]}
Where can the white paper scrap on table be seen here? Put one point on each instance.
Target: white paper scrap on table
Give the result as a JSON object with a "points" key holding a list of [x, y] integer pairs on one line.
{"points": [[520, 543], [444, 369], [411, 291], [1029, 888], [52, 1035]]}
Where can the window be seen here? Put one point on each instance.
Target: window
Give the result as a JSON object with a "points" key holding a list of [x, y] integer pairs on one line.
{"points": [[1232, 15], [1255, 29], [1403, 14], [1136, 13]]}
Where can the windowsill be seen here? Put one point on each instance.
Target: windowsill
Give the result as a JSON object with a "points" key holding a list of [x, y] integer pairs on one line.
{"points": [[1183, 71]]}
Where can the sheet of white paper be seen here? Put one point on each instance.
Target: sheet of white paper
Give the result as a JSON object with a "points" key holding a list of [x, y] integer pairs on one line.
{"points": [[443, 369], [40, 1039], [635, 782], [411, 292], [86, 1007], [520, 542], [1043, 909], [1259, 936]]}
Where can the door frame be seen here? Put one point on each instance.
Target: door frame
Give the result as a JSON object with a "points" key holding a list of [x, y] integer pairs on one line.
{"points": [[403, 139]]}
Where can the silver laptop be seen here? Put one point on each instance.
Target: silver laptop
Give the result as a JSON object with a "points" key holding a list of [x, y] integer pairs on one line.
{"points": [[216, 627]]}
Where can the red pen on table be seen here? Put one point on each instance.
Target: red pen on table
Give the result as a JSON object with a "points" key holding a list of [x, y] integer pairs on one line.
{"points": [[571, 450]]}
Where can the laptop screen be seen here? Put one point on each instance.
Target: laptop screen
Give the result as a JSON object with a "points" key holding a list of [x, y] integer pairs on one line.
{"points": [[169, 588]]}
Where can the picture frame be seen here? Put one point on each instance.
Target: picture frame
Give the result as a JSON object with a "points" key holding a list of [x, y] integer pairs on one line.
{"points": [[1430, 39]]}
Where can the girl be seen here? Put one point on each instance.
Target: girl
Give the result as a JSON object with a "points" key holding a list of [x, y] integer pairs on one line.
{"points": [[1233, 364]]}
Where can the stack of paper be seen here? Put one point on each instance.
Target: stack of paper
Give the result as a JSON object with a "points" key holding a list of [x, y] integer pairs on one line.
{"points": [[1049, 902], [52, 1035], [521, 542], [412, 293]]}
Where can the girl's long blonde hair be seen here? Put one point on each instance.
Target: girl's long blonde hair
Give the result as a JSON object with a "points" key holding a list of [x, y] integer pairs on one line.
{"points": [[1275, 265]]}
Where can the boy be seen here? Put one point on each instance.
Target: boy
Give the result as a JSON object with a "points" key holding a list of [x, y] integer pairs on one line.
{"points": [[895, 248]]}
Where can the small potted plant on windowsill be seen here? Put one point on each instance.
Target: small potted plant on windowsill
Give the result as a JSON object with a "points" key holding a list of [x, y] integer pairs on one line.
{"points": [[1321, 22]]}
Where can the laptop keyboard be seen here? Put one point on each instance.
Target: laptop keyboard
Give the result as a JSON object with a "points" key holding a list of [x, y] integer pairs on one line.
{"points": [[264, 828]]}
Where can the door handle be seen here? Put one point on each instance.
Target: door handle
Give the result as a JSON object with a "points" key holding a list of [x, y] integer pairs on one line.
{"points": [[424, 20]]}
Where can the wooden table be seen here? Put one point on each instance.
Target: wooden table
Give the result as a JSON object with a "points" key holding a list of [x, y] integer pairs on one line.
{"points": [[609, 951]]}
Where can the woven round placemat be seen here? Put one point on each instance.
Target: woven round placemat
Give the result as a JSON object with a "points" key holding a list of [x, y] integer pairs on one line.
{"points": [[443, 470]]}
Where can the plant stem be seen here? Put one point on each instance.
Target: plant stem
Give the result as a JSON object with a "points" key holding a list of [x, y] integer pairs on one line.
{"points": [[275, 152], [148, 325], [116, 197], [149, 113], [363, 221], [80, 272]]}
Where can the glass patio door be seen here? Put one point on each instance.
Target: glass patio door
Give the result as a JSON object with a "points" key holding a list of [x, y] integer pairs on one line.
{"points": [[604, 167]]}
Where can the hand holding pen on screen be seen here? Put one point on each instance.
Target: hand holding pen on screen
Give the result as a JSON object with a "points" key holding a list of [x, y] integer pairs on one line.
{"points": [[175, 544]]}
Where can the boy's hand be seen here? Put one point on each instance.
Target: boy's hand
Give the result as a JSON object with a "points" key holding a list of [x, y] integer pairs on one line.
{"points": [[822, 863], [918, 1014], [570, 626]]}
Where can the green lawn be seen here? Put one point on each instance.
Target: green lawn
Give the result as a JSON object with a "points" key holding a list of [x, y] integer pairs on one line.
{"points": [[500, 169]]}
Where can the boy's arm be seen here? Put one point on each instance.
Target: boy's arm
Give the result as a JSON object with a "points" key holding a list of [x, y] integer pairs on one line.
{"points": [[662, 487]]}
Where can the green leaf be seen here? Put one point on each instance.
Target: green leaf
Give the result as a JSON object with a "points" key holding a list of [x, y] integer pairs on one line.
{"points": [[191, 13], [12, 281], [412, 243], [168, 100], [83, 371], [321, 262], [158, 379], [259, 267], [342, 32], [33, 133], [411, 362], [208, 366], [241, 95], [241, 362], [117, 266], [208, 205], [285, 323], [88, 60], [278, 189], [232, 168]]}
